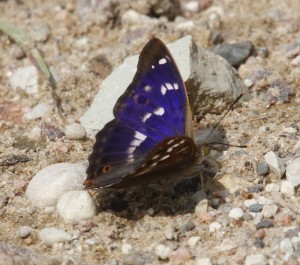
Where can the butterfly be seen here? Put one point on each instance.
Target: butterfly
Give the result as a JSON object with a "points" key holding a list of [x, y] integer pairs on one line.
{"points": [[151, 135]]}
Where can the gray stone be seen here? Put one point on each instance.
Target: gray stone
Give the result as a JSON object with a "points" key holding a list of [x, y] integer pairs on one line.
{"points": [[211, 82], [293, 172], [275, 163], [262, 169], [37, 112], [163, 252], [234, 53], [76, 206], [256, 208]]}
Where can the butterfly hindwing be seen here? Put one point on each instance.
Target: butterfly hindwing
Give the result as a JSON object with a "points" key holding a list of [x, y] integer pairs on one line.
{"points": [[153, 108]]}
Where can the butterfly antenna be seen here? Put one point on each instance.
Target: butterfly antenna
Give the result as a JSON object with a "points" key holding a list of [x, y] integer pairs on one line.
{"points": [[230, 108]]}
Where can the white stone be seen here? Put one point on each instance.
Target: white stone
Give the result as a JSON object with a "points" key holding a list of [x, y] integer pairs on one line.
{"points": [[24, 231], [263, 200], [37, 112], [204, 261], [126, 249], [248, 83], [286, 246], [250, 202], [275, 163], [50, 183], [25, 78], [272, 187], [52, 235], [75, 206], [193, 241], [227, 244], [75, 131], [192, 6], [293, 172], [256, 259], [269, 210], [162, 251], [236, 213], [215, 226], [287, 188]]}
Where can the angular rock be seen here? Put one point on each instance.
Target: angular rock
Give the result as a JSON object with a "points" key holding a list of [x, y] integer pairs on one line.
{"points": [[293, 172], [211, 82], [275, 163]]}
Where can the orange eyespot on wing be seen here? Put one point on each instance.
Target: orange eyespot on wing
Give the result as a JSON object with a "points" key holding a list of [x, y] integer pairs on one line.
{"points": [[106, 168]]}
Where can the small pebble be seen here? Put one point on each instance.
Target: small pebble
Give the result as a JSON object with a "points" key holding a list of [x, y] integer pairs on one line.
{"points": [[37, 112], [204, 261], [236, 213], [269, 210], [201, 207], [256, 208], [275, 163], [286, 246], [272, 187], [259, 243], [255, 188], [205, 218], [293, 232], [76, 206], [53, 235], [227, 245], [250, 202], [193, 241], [264, 224], [187, 227], [169, 232], [287, 188], [293, 172], [215, 226], [40, 32], [256, 259], [24, 231], [25, 78], [262, 169], [263, 200], [126, 248], [163, 252], [50, 183], [180, 256], [75, 131], [248, 83]]}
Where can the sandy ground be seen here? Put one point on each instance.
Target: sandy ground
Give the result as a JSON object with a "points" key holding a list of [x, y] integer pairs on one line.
{"points": [[71, 36]]}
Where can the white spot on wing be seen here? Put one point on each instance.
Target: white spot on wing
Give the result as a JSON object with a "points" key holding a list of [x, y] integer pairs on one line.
{"points": [[164, 157], [152, 66], [131, 149], [159, 111], [162, 61], [163, 90], [140, 136], [169, 86], [175, 85], [146, 117], [169, 149], [147, 88]]}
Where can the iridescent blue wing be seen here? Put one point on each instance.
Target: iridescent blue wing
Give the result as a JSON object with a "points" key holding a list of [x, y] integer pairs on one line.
{"points": [[151, 117]]}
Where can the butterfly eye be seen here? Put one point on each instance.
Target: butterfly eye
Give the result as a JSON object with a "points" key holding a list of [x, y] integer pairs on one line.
{"points": [[141, 99], [106, 169]]}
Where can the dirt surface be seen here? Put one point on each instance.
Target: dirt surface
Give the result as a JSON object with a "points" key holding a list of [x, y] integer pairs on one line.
{"points": [[82, 43]]}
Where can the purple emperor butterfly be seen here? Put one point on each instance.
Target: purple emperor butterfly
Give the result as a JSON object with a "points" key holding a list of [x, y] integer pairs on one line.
{"points": [[151, 135]]}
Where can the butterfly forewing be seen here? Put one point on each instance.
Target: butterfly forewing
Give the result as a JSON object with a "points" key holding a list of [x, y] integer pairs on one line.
{"points": [[152, 113]]}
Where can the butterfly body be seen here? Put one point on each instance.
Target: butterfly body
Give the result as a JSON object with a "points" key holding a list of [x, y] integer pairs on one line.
{"points": [[151, 135]]}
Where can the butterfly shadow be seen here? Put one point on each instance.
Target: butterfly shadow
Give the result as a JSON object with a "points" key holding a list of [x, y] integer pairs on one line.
{"points": [[180, 198]]}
